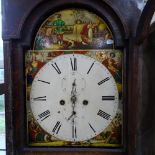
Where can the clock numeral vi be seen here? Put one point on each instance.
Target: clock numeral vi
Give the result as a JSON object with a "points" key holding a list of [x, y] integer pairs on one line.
{"points": [[103, 114], [57, 127], [55, 66], [74, 64], [74, 135], [44, 115]]}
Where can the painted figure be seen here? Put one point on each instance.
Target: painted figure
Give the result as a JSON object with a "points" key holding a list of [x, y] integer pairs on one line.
{"points": [[113, 66], [73, 28], [35, 133], [32, 68], [59, 28], [87, 34]]}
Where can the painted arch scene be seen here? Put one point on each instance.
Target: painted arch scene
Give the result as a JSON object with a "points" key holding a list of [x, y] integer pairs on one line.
{"points": [[73, 29]]}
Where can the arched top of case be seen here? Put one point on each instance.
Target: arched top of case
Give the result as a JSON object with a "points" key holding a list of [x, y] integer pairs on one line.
{"points": [[73, 28]]}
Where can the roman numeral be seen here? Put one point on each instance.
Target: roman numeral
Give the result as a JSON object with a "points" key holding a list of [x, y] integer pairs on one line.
{"points": [[106, 79], [92, 128], [74, 64], [44, 81], [57, 127], [55, 66], [90, 68], [107, 98], [42, 98], [44, 115], [103, 114], [74, 132]]}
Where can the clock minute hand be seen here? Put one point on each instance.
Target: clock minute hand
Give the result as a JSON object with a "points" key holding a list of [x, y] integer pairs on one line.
{"points": [[73, 92], [73, 99]]}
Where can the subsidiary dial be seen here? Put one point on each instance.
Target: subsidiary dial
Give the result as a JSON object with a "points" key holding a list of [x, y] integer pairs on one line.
{"points": [[80, 80]]}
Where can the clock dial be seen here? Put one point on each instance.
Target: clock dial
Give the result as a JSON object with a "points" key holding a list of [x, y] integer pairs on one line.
{"points": [[74, 97]]}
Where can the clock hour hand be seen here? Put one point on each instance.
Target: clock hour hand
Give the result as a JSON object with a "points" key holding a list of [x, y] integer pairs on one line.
{"points": [[73, 114]]}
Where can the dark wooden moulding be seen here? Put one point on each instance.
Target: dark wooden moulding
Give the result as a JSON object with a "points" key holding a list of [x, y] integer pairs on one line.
{"points": [[21, 20]]}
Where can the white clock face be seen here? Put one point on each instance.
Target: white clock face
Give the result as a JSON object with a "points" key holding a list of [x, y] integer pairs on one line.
{"points": [[74, 97]]}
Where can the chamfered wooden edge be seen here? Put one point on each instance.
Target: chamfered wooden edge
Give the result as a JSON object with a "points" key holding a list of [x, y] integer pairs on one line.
{"points": [[144, 22], [2, 88]]}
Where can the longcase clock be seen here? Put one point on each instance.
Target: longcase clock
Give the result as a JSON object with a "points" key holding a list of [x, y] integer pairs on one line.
{"points": [[72, 78], [74, 84]]}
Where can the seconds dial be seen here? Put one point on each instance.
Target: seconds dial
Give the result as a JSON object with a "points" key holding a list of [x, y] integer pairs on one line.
{"points": [[74, 97]]}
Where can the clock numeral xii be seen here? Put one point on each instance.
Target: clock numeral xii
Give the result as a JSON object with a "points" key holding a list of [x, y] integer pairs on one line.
{"points": [[73, 64]]}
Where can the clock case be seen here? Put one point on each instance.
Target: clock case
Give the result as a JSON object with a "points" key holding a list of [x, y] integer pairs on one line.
{"points": [[22, 19]]}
